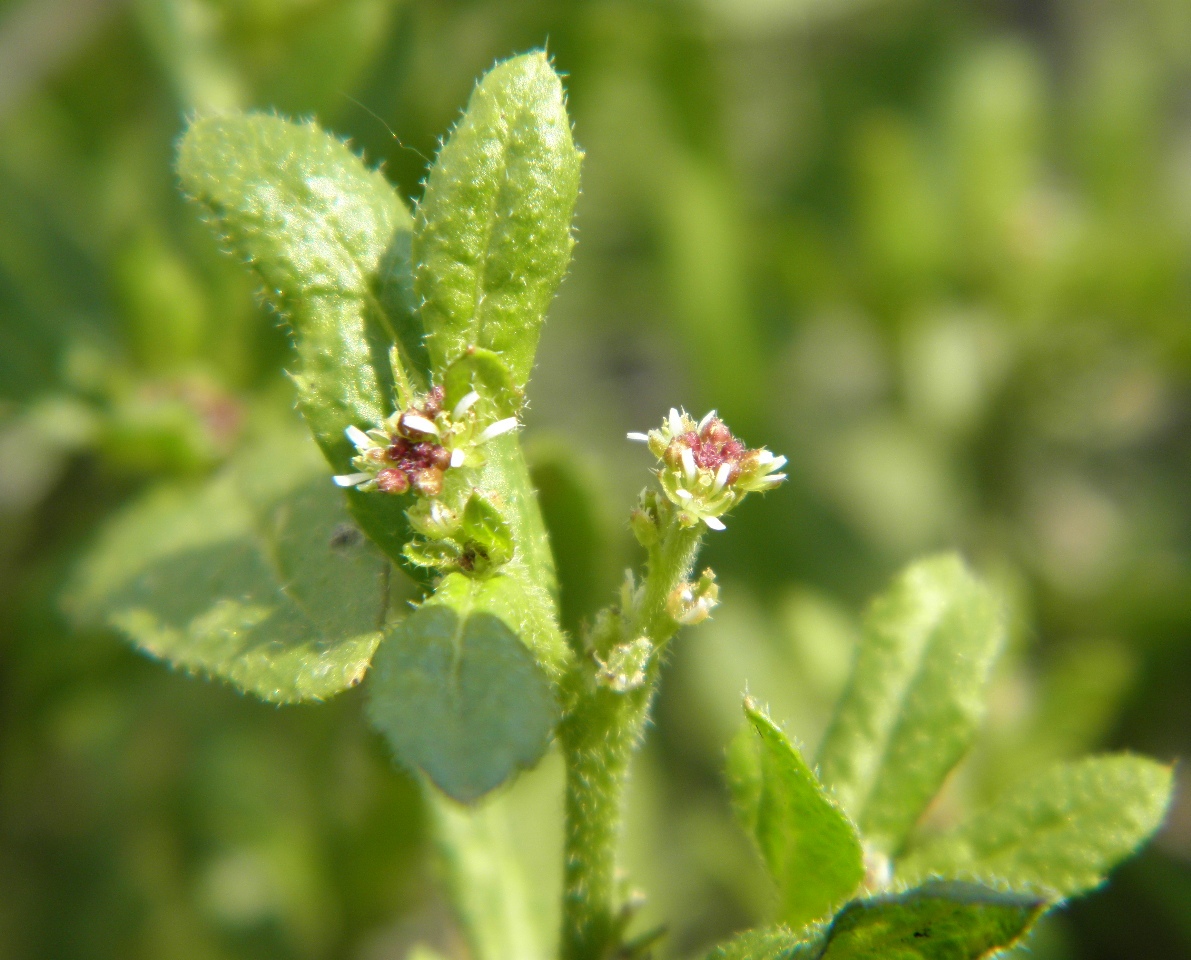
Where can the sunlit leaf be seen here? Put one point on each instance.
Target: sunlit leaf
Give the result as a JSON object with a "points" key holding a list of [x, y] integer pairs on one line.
{"points": [[915, 699], [264, 583], [315, 224], [810, 846], [1057, 835], [493, 232], [940, 922]]}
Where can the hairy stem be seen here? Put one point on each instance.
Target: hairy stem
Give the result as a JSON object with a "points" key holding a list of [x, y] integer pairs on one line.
{"points": [[599, 734]]}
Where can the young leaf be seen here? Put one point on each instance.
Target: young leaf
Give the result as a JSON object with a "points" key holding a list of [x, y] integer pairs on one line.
{"points": [[268, 587], [948, 921], [315, 224], [915, 698], [457, 694], [484, 530], [493, 233], [1058, 835], [810, 846]]}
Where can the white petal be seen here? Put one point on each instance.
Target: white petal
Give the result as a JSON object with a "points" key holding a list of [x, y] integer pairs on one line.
{"points": [[411, 421], [639, 437], [465, 404], [773, 479], [777, 463], [706, 420], [358, 437], [457, 458], [351, 479], [721, 477], [675, 422], [715, 523], [682, 494], [688, 465], [764, 457], [496, 429]]}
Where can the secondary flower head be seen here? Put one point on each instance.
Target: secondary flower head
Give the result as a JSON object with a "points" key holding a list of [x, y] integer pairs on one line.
{"points": [[414, 448], [704, 470]]}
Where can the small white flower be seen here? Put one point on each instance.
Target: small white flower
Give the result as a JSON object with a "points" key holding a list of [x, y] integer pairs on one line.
{"points": [[639, 437], [457, 457], [498, 428], [351, 479], [688, 465], [358, 437], [465, 404], [675, 422], [715, 523], [412, 421], [721, 477]]}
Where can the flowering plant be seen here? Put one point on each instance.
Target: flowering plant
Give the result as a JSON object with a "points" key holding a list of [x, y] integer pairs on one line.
{"points": [[416, 336]]}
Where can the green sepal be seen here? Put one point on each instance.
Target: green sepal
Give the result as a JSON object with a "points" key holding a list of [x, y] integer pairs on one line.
{"points": [[942, 921], [808, 843], [483, 371], [915, 699], [257, 577], [457, 693], [1057, 835], [441, 555], [492, 238], [316, 225]]}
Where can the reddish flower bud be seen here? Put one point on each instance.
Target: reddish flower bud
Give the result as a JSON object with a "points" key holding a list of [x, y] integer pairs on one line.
{"points": [[392, 480], [428, 481]]}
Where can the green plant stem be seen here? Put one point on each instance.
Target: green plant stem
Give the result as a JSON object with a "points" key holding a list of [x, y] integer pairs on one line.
{"points": [[599, 734], [486, 882]]}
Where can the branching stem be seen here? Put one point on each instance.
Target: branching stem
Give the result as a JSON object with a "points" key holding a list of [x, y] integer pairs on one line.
{"points": [[602, 728]]}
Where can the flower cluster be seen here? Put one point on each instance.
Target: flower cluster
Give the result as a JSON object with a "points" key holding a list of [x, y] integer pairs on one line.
{"points": [[414, 448], [705, 471]]}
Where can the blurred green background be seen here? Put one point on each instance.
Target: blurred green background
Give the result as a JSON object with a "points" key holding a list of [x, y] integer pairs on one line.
{"points": [[939, 254]]}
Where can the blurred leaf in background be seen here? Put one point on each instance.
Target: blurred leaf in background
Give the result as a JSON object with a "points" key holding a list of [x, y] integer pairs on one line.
{"points": [[940, 253]]}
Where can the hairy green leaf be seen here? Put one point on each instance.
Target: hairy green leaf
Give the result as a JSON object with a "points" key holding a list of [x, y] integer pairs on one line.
{"points": [[1057, 835], [493, 233], [915, 699], [316, 225], [457, 694], [810, 846], [948, 921], [484, 530], [258, 578]]}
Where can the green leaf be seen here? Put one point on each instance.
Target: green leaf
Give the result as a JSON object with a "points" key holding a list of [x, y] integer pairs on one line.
{"points": [[939, 922], [485, 531], [493, 233], [1057, 835], [316, 225], [810, 846], [774, 943], [456, 692], [257, 577], [915, 699]]}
